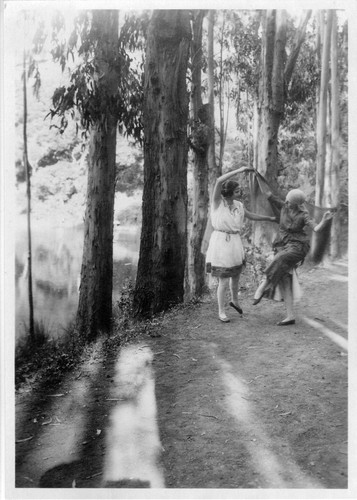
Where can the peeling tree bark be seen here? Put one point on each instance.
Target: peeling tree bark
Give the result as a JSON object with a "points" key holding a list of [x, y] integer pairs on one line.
{"points": [[95, 296], [213, 168], [270, 113], [201, 140], [335, 142], [322, 112], [275, 76], [163, 247]]}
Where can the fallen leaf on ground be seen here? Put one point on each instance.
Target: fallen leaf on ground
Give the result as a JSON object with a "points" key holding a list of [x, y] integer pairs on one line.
{"points": [[23, 440], [48, 422]]}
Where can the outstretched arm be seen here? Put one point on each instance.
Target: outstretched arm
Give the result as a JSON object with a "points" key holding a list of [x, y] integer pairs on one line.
{"points": [[325, 218], [220, 180], [253, 216]]}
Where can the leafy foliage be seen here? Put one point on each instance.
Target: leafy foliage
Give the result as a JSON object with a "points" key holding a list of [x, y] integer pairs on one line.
{"points": [[130, 177], [36, 47], [89, 95]]}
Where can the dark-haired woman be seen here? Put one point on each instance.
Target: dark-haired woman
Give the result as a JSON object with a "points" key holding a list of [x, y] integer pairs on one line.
{"points": [[225, 254]]}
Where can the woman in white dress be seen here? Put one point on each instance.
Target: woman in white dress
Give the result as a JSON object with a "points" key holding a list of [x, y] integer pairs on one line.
{"points": [[225, 254]]}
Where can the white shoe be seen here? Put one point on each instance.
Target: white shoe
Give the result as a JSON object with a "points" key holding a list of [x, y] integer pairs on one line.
{"points": [[223, 318]]}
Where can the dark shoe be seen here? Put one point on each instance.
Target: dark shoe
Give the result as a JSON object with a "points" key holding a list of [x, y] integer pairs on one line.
{"points": [[237, 308], [223, 318], [284, 323]]}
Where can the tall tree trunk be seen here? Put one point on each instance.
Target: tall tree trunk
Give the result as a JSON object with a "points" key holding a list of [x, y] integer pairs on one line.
{"points": [[322, 116], [201, 136], [221, 99], [163, 246], [28, 193], [322, 112], [335, 142], [276, 73], [270, 112], [95, 296], [213, 169], [319, 37]]}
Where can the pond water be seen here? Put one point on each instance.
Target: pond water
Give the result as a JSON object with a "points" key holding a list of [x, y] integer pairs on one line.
{"points": [[56, 267]]}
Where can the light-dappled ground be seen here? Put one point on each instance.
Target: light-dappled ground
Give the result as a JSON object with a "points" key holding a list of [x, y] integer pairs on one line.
{"points": [[201, 404]]}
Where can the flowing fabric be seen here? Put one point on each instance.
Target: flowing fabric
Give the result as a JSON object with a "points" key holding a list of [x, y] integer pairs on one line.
{"points": [[225, 253], [321, 239], [291, 246]]}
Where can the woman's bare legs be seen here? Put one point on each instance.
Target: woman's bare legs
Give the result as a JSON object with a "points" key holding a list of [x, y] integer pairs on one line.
{"points": [[221, 295], [234, 286], [259, 292], [288, 299]]}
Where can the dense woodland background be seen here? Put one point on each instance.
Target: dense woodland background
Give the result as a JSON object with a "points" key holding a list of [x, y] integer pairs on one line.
{"points": [[132, 116]]}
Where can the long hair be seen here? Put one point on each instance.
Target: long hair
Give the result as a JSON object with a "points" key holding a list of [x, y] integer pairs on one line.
{"points": [[228, 188]]}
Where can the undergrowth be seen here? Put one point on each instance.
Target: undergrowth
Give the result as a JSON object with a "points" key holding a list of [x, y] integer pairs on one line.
{"points": [[46, 359]]}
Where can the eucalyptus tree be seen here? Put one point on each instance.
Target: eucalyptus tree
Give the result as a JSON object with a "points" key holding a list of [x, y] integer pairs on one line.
{"points": [[334, 196], [106, 92], [163, 244], [214, 166], [328, 125], [321, 132], [28, 195], [199, 142], [31, 48], [276, 70]]}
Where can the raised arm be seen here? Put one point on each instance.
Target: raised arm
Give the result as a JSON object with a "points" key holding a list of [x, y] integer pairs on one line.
{"points": [[220, 180]]}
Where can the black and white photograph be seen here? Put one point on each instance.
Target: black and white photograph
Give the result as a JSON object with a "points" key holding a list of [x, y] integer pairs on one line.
{"points": [[177, 249]]}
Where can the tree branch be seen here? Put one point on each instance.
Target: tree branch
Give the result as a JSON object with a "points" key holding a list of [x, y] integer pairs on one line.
{"points": [[299, 38]]}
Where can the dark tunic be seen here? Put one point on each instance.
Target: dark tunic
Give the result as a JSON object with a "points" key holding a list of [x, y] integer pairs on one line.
{"points": [[291, 244]]}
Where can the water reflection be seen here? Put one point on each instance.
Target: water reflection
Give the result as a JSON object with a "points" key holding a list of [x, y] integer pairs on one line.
{"points": [[56, 266], [133, 444]]}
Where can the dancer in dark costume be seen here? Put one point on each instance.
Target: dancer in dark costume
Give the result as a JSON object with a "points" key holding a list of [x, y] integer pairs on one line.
{"points": [[290, 246]]}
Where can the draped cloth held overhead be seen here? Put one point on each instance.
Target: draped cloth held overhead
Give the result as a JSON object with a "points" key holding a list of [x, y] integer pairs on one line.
{"points": [[321, 239]]}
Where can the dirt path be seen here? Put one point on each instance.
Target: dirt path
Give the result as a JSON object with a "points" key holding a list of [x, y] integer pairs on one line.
{"points": [[201, 404]]}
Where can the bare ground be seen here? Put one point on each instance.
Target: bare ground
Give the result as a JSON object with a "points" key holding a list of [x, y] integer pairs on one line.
{"points": [[201, 404]]}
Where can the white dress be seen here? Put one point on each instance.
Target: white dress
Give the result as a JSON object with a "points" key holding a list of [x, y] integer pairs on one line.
{"points": [[225, 253]]}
